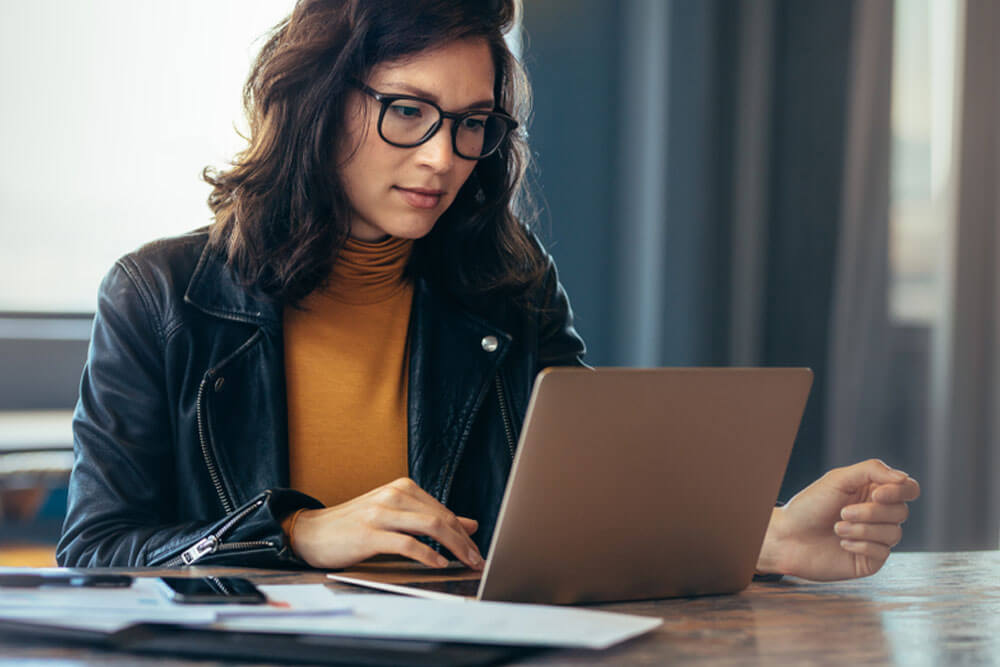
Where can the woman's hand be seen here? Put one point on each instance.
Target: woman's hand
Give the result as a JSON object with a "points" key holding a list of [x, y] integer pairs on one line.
{"points": [[841, 526], [384, 521]]}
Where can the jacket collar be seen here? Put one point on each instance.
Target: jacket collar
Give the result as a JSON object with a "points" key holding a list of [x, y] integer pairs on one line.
{"points": [[214, 289]]}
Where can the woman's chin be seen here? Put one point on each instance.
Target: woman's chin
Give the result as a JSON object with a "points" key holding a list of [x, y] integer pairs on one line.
{"points": [[412, 229], [403, 227]]}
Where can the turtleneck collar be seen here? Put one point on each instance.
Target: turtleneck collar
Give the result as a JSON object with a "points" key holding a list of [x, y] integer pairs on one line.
{"points": [[369, 272]]}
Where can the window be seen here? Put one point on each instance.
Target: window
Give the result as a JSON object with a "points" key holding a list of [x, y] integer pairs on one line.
{"points": [[110, 110], [923, 98]]}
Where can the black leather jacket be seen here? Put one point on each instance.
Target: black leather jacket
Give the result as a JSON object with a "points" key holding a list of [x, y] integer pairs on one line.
{"points": [[181, 435]]}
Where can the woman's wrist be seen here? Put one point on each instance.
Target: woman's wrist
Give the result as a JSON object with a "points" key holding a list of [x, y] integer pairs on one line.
{"points": [[770, 560], [288, 526]]}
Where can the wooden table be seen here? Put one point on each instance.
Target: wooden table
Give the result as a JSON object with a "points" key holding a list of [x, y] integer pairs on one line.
{"points": [[933, 609]]}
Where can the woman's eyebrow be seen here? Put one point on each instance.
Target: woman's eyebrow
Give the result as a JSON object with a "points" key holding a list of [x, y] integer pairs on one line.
{"points": [[485, 103]]}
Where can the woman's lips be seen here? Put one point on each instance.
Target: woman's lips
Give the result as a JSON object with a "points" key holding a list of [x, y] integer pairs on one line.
{"points": [[420, 198]]}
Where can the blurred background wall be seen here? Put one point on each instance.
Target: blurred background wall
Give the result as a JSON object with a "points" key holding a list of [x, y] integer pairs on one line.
{"points": [[722, 182]]}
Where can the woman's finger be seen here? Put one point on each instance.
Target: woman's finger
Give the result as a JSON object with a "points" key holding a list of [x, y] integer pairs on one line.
{"points": [[449, 532], [874, 550], [412, 490], [406, 495], [851, 478], [888, 534], [897, 493], [875, 513], [390, 542]]}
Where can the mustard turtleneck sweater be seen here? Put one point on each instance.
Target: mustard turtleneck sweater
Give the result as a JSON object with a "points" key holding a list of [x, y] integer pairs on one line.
{"points": [[346, 375]]}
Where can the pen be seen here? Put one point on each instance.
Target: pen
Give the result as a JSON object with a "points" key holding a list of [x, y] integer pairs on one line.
{"points": [[32, 580]]}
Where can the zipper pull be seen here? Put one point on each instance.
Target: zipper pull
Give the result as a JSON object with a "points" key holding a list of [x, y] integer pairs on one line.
{"points": [[202, 548]]}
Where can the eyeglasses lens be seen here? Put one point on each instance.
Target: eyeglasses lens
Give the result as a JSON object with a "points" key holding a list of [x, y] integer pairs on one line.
{"points": [[478, 135], [408, 122]]}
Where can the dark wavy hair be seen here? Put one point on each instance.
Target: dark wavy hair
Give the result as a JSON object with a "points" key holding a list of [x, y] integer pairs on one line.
{"points": [[281, 213]]}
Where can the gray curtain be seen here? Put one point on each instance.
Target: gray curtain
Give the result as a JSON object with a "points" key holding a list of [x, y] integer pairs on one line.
{"points": [[924, 397], [860, 337], [964, 483]]}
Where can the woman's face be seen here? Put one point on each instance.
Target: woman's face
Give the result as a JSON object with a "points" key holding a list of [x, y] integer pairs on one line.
{"points": [[403, 191]]}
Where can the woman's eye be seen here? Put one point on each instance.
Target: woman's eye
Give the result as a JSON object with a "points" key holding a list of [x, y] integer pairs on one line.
{"points": [[473, 123], [406, 111]]}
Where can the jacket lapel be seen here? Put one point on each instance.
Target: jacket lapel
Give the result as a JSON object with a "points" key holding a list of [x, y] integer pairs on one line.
{"points": [[451, 371], [244, 381]]}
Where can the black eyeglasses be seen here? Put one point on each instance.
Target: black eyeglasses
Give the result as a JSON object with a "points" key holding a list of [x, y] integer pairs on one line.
{"points": [[407, 121]]}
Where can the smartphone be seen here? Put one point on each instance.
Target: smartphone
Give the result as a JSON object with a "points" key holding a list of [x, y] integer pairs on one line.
{"points": [[211, 590]]}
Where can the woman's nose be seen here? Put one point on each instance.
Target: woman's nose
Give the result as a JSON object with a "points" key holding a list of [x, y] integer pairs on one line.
{"points": [[438, 152]]}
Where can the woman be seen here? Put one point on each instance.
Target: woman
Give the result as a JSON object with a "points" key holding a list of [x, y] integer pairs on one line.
{"points": [[362, 323]]}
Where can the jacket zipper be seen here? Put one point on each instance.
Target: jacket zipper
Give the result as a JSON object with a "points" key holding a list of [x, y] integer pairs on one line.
{"points": [[206, 449], [508, 434], [507, 429], [212, 543], [213, 470]]}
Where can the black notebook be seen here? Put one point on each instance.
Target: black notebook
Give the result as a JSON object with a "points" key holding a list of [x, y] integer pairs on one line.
{"points": [[199, 642]]}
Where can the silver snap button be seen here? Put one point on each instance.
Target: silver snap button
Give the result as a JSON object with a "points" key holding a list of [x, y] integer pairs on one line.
{"points": [[489, 343], [219, 382]]}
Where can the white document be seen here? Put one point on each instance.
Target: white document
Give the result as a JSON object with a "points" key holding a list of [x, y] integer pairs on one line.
{"points": [[313, 608], [398, 617], [110, 609], [99, 609]]}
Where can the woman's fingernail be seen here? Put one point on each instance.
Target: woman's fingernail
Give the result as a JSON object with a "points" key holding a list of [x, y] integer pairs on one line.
{"points": [[475, 558], [842, 528], [441, 561], [899, 474], [848, 514]]}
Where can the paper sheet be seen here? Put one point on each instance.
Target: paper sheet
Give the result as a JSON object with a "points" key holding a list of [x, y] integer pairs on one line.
{"points": [[313, 608], [402, 617]]}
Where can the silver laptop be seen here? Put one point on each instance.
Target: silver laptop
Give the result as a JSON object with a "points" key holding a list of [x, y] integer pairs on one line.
{"points": [[631, 484]]}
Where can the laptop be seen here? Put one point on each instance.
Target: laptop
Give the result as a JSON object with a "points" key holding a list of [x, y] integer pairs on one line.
{"points": [[630, 484]]}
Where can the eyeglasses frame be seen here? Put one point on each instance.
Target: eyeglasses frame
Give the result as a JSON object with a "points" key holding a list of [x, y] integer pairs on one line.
{"points": [[386, 101]]}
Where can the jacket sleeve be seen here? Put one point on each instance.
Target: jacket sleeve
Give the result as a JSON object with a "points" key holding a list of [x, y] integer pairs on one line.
{"points": [[558, 342], [122, 487]]}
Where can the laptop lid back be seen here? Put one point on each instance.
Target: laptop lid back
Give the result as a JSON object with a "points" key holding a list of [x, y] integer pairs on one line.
{"points": [[643, 483]]}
